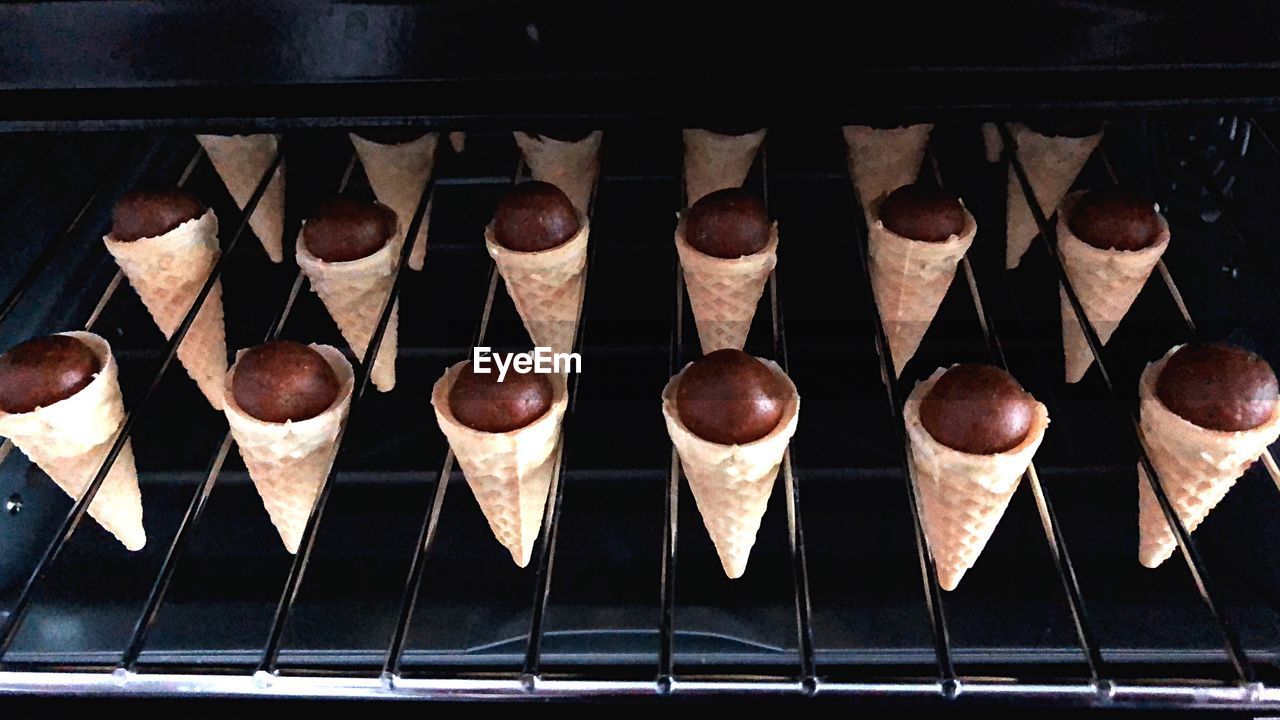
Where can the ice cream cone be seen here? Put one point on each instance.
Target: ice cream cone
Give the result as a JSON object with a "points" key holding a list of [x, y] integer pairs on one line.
{"points": [[289, 461], [883, 160], [241, 161], [355, 292], [167, 272], [510, 473], [992, 143], [724, 292], [731, 483], [1052, 164], [458, 140], [1106, 283], [69, 440], [571, 166], [398, 173], [962, 496], [910, 278], [1196, 465], [546, 286], [714, 162]]}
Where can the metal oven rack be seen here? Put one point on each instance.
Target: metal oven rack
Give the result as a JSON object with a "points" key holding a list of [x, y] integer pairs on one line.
{"points": [[398, 591]]}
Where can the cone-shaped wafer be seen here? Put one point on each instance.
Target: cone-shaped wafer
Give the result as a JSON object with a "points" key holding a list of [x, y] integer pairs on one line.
{"points": [[509, 473], [289, 461], [167, 272], [1196, 465], [458, 140], [910, 278], [992, 143], [241, 161], [731, 483], [962, 496], [714, 162], [354, 292], [724, 292], [70, 438], [398, 173], [1105, 281], [882, 160], [546, 286], [1052, 164], [571, 166]]}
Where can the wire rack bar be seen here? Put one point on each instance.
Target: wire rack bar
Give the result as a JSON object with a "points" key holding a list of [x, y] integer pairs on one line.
{"points": [[1044, 507], [426, 536], [1048, 236], [929, 576], [68, 526], [555, 494], [298, 569], [195, 510], [790, 479]]}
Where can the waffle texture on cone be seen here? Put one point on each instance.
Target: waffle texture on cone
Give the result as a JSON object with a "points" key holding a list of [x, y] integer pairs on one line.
{"points": [[724, 292], [241, 160], [354, 293], [398, 173], [714, 162], [731, 484], [167, 272], [1106, 282], [910, 278], [510, 473], [546, 286], [571, 166], [289, 461], [883, 160], [962, 496], [1052, 164], [69, 439], [1196, 465]]}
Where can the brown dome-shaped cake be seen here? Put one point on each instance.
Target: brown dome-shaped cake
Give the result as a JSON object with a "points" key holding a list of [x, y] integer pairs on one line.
{"points": [[282, 381], [1115, 219], [391, 135], [534, 216], [731, 398], [922, 212], [42, 371], [1218, 386], [152, 213], [481, 402], [342, 230], [728, 223], [977, 409]]}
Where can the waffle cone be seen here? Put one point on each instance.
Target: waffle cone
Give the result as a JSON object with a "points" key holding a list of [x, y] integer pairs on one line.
{"points": [[69, 440], [546, 286], [167, 272], [962, 496], [731, 484], [714, 162], [241, 161], [1196, 465], [1105, 281], [992, 143], [458, 140], [398, 173], [510, 473], [1052, 164], [883, 160], [289, 461], [571, 166], [724, 292], [910, 278], [354, 292]]}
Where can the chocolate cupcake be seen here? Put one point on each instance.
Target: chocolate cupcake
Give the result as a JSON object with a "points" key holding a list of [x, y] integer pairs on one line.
{"points": [[43, 371]]}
